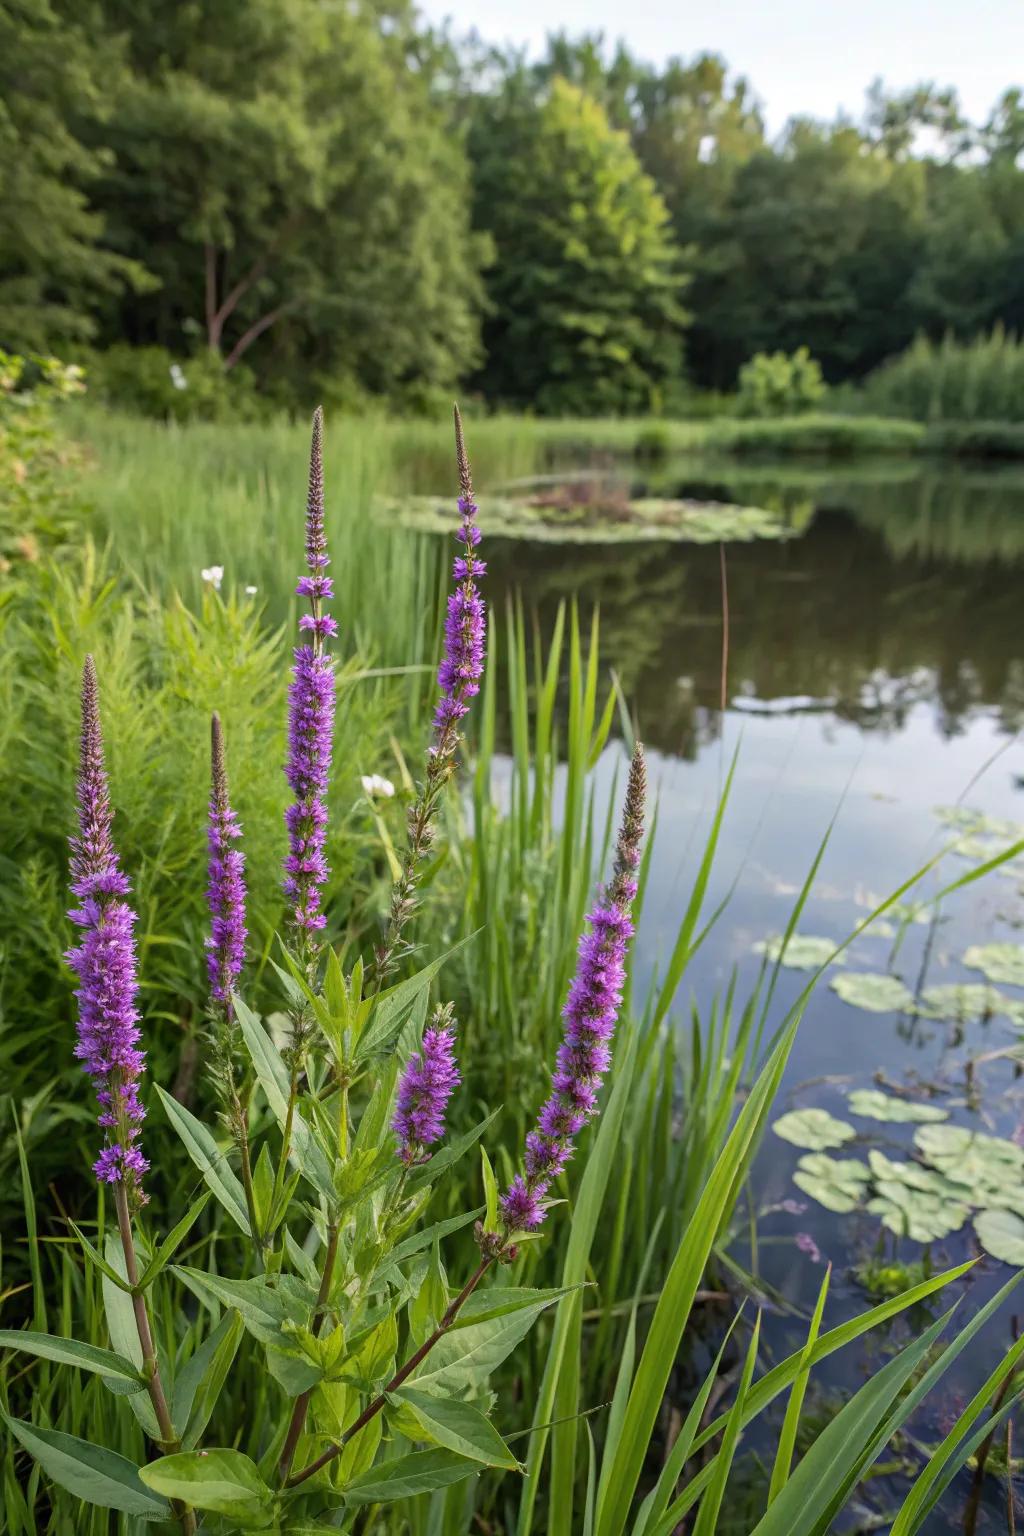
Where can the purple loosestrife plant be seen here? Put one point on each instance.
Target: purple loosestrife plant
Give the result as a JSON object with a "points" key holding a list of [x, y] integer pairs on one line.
{"points": [[590, 1014], [108, 1018], [458, 679], [427, 1083], [225, 953], [311, 720]]}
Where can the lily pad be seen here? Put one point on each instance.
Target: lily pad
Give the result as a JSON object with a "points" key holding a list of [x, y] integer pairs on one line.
{"points": [[970, 1157], [1001, 1233], [877, 993], [914, 1176], [874, 1105], [813, 1128], [916, 1213], [999, 962], [837, 1183], [966, 1000], [804, 952]]}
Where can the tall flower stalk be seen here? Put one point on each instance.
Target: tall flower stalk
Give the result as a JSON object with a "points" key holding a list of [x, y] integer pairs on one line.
{"points": [[225, 957], [108, 1015], [108, 1021], [310, 732], [458, 680], [590, 1015]]}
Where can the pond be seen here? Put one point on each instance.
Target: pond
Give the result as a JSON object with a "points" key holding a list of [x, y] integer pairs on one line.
{"points": [[875, 687]]}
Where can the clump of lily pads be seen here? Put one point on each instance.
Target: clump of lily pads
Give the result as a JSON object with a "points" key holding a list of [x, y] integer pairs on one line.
{"points": [[955, 1174]]}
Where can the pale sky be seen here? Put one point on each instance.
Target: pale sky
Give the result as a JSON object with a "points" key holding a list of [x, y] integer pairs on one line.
{"points": [[807, 57]]}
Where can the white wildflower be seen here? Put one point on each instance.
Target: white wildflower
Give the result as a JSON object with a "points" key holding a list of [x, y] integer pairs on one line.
{"points": [[374, 785], [178, 378], [213, 575], [251, 591]]}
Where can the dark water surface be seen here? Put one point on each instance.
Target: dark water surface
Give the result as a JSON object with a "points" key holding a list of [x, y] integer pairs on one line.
{"points": [[875, 674]]}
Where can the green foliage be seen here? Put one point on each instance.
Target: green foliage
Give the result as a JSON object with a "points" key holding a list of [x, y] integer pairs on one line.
{"points": [[150, 381], [585, 288], [977, 382], [37, 499], [778, 385]]}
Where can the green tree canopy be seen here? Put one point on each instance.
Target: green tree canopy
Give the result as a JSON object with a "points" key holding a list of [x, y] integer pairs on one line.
{"points": [[585, 290]]}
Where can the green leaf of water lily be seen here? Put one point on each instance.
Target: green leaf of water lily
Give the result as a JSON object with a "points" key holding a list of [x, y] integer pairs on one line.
{"points": [[970, 1157], [874, 992], [813, 1128], [930, 1180], [967, 1000], [875, 1105], [1001, 1233], [1003, 963], [916, 1214], [837, 1183], [804, 952]]}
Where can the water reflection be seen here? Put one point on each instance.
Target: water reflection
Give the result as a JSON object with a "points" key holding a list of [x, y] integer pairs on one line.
{"points": [[894, 595], [876, 671]]}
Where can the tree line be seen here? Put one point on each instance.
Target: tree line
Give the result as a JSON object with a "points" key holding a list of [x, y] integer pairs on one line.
{"points": [[336, 200]]}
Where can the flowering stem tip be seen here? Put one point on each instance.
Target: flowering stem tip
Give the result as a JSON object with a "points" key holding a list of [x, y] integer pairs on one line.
{"points": [[104, 959]]}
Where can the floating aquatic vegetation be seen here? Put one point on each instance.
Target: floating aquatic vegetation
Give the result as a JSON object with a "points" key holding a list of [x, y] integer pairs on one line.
{"points": [[876, 993], [1001, 1233], [815, 1129], [999, 962], [916, 1213], [804, 952], [970, 1157], [913, 1175], [689, 522], [875, 1105], [967, 1000], [837, 1183]]}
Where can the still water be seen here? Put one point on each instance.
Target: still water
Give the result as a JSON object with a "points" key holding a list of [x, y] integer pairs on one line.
{"points": [[875, 675]]}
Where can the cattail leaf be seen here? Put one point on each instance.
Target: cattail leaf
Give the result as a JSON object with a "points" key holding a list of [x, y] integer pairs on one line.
{"points": [[210, 1159], [88, 1471], [47, 1346], [172, 1242], [458, 1426], [223, 1481], [406, 1476]]}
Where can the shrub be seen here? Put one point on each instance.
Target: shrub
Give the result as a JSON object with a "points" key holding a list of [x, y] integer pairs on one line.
{"points": [[777, 384], [36, 489], [981, 380], [150, 381]]}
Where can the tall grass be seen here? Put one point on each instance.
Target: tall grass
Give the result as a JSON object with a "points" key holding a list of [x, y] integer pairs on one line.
{"points": [[981, 380]]}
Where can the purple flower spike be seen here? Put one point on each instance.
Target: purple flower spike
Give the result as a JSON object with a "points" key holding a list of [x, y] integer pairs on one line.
{"points": [[458, 678], [426, 1085], [226, 890], [311, 717], [590, 1014], [108, 1019]]}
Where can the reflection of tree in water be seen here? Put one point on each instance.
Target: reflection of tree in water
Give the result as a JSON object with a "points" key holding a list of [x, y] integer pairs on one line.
{"points": [[861, 614]]}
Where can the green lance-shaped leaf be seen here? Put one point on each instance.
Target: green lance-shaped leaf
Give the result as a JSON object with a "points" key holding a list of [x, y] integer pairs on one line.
{"points": [[406, 1476], [69, 1352], [198, 1383], [459, 1427], [210, 1159], [89, 1471], [466, 1355], [174, 1239], [392, 1007], [97, 1258], [274, 1080], [223, 1481]]}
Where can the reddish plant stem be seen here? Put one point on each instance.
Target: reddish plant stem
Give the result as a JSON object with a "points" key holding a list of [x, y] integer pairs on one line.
{"points": [[374, 1407], [150, 1366]]}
